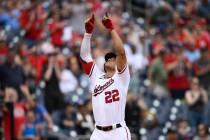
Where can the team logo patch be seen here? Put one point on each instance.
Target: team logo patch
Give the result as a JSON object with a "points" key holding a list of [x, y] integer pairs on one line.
{"points": [[100, 88]]}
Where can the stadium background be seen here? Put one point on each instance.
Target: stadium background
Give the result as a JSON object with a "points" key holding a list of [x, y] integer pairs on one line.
{"points": [[167, 44]]}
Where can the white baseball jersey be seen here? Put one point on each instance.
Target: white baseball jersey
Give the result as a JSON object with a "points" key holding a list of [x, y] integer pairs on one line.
{"points": [[108, 94]]}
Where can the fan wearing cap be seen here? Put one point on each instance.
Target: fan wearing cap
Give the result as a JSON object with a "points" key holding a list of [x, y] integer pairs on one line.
{"points": [[109, 87]]}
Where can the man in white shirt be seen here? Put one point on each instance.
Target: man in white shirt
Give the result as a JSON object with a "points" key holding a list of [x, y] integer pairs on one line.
{"points": [[108, 88]]}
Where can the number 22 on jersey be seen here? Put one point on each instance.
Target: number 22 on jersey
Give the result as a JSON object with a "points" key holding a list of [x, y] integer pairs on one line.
{"points": [[112, 96]]}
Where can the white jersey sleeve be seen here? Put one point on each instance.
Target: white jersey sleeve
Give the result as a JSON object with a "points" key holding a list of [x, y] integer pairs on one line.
{"points": [[88, 65]]}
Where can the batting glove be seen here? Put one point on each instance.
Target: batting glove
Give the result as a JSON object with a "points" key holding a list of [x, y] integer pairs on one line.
{"points": [[107, 22], [89, 24]]}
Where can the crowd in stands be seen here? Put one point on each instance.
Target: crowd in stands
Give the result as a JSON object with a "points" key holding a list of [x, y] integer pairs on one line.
{"points": [[45, 92]]}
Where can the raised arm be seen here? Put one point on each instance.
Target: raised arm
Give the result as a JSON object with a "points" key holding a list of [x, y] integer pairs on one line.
{"points": [[85, 50], [120, 51], [118, 44]]}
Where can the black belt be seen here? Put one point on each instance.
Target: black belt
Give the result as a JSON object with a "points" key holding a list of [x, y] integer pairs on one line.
{"points": [[108, 128]]}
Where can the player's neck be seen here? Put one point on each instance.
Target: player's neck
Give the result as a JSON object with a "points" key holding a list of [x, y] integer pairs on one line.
{"points": [[109, 74]]}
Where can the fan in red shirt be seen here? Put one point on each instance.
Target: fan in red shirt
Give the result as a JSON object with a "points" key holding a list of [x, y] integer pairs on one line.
{"points": [[3, 50], [13, 112], [37, 61], [177, 67], [201, 35], [18, 114], [55, 28], [24, 17], [33, 21], [34, 29]]}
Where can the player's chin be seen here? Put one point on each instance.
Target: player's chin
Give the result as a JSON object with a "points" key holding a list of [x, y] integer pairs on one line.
{"points": [[110, 68]]}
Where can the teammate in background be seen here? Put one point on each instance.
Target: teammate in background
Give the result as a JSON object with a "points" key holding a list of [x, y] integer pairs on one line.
{"points": [[108, 88]]}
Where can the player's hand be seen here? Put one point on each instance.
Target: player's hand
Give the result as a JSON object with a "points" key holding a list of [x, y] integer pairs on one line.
{"points": [[107, 22], [89, 24]]}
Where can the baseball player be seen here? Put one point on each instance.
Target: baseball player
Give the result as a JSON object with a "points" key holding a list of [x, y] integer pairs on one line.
{"points": [[109, 88]]}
